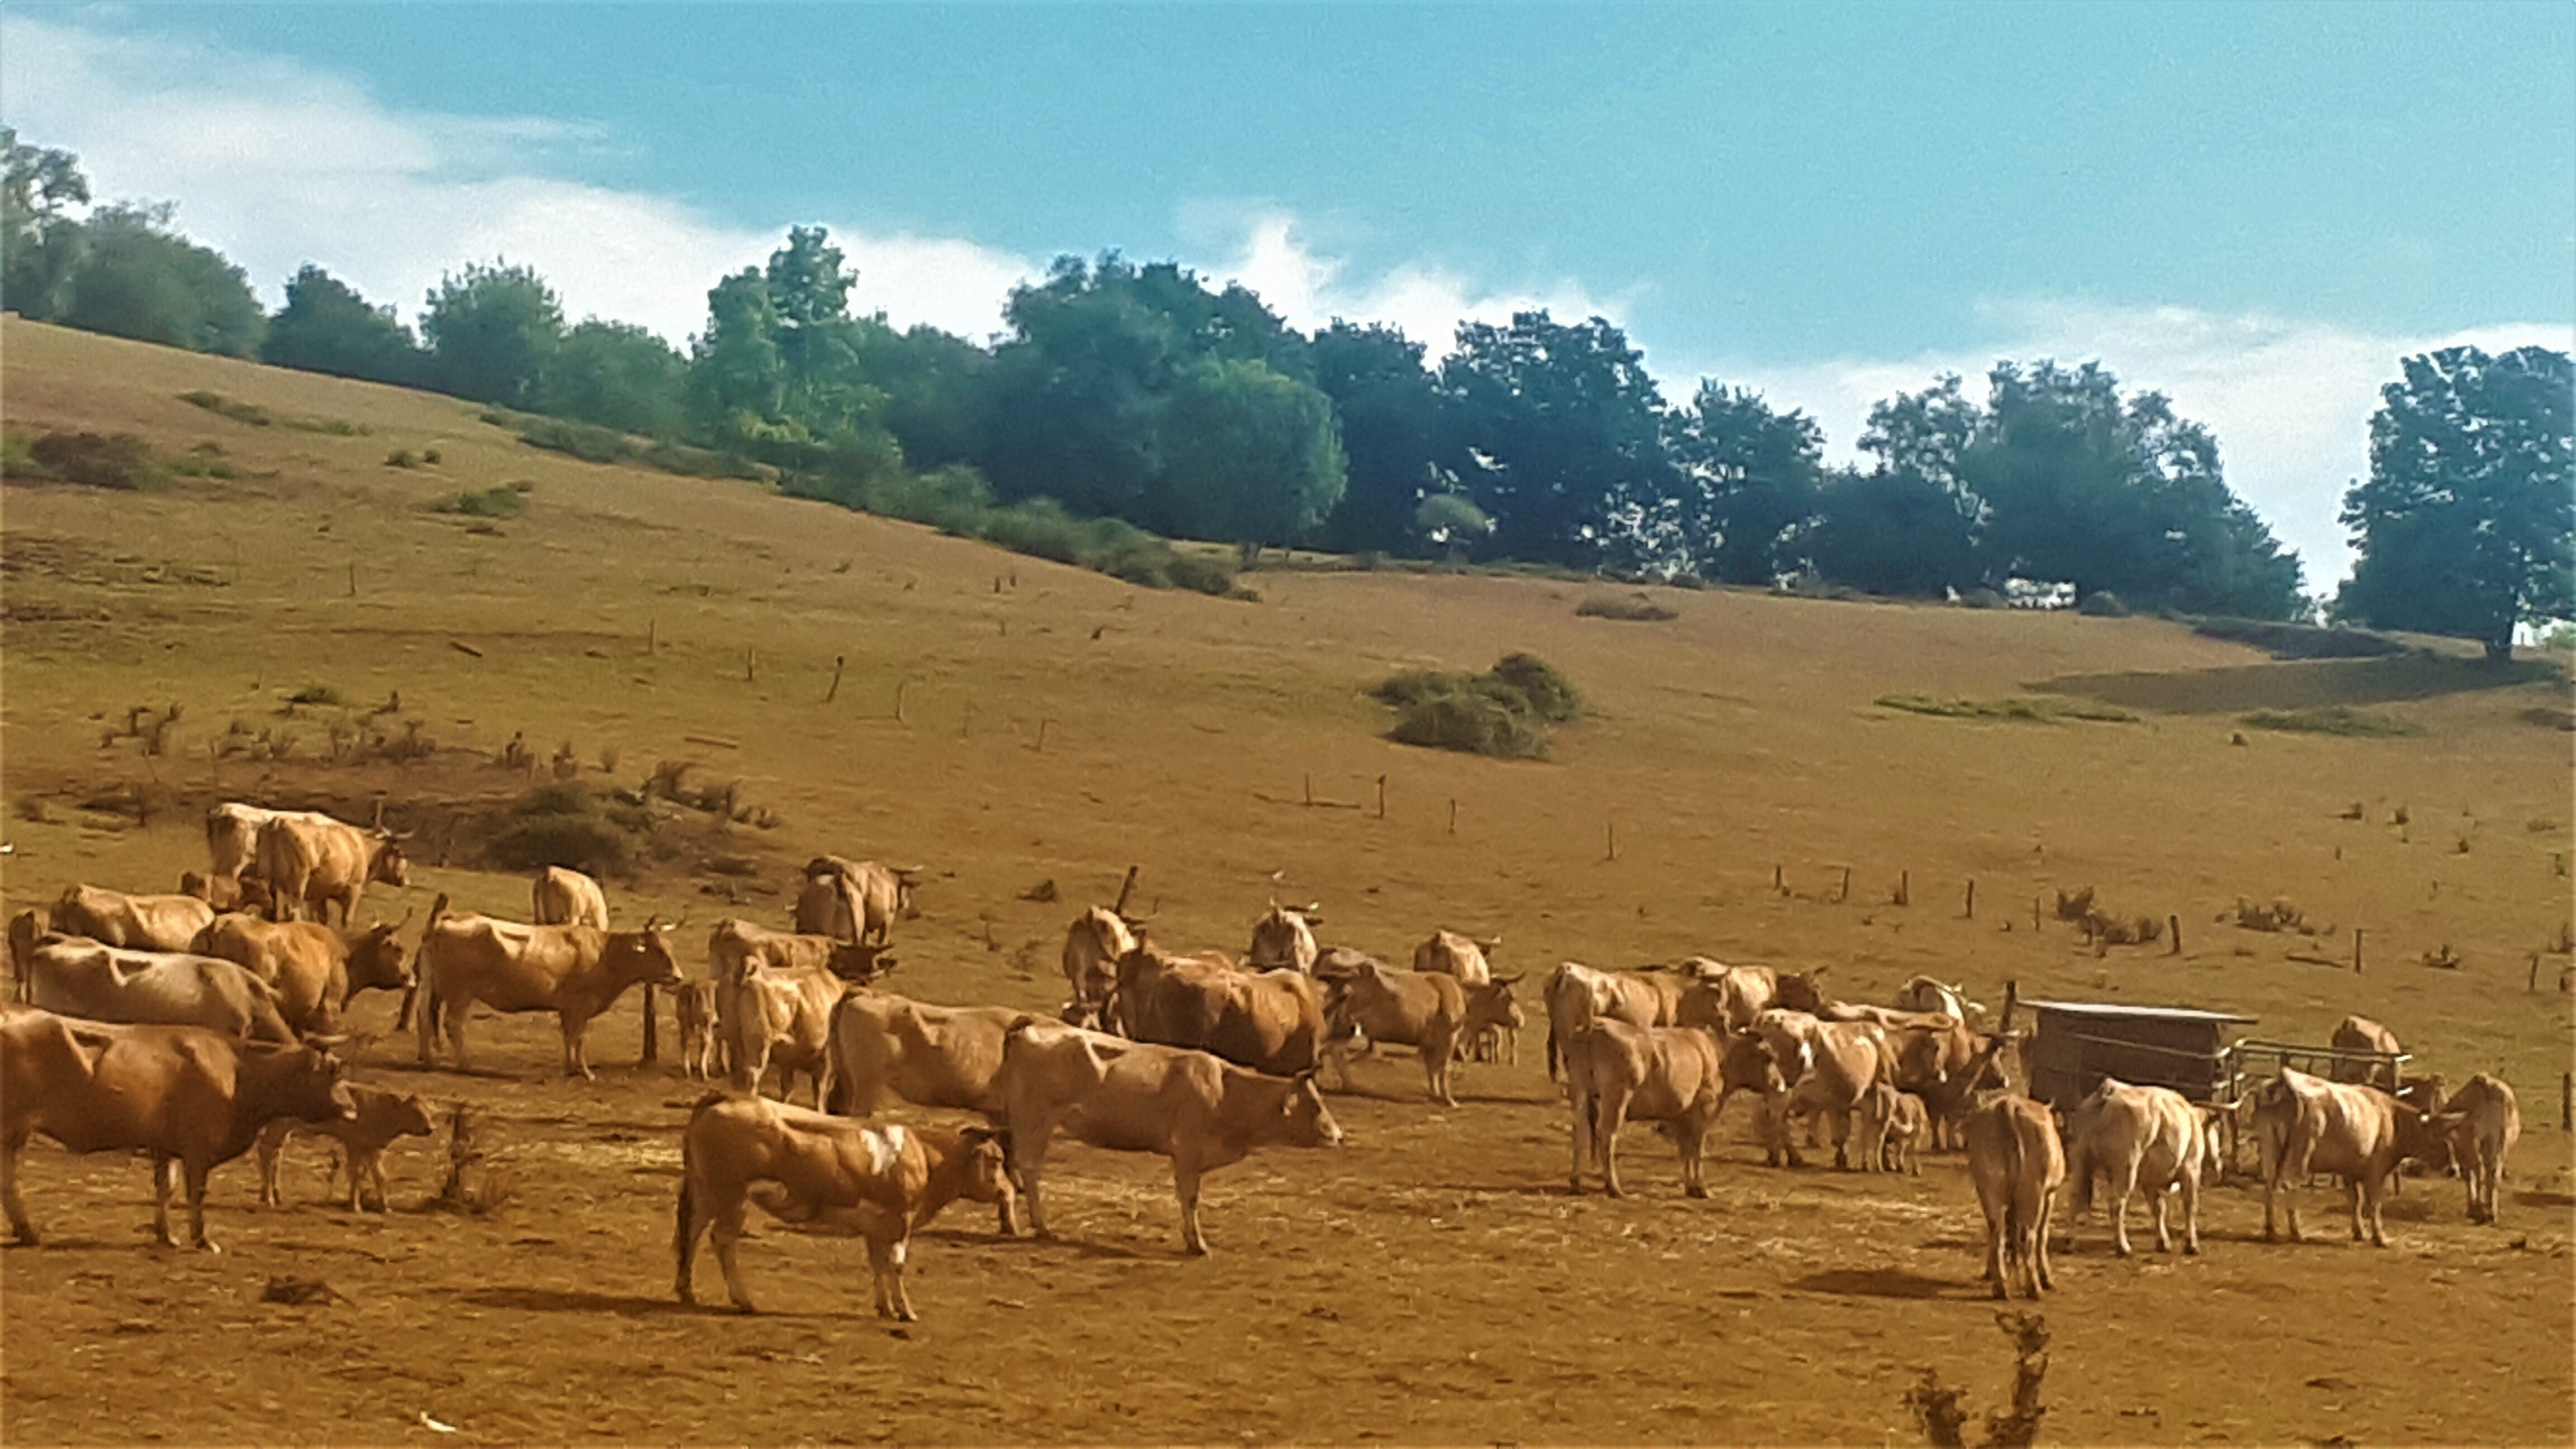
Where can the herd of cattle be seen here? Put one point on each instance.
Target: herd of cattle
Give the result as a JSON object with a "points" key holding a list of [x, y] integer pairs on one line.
{"points": [[189, 1028]]}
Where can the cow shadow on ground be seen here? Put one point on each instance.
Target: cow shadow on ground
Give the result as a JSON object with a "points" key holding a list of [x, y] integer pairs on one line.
{"points": [[562, 1300], [1882, 1283], [2532, 1197]]}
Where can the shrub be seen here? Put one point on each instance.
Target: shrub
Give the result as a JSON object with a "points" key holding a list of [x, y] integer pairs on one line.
{"points": [[2300, 641], [2042, 711], [1504, 712], [500, 501], [321, 694], [240, 412], [115, 460], [1635, 609], [401, 458], [430, 457], [561, 823], [2333, 719], [17, 456], [205, 460], [2102, 604]]}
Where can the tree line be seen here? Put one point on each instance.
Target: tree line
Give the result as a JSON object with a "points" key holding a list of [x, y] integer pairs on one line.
{"points": [[1140, 392]]}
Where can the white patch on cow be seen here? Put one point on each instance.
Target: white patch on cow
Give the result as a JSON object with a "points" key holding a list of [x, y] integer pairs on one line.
{"points": [[901, 1251], [885, 1147]]}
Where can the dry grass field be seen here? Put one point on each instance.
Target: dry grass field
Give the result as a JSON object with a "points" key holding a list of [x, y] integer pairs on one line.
{"points": [[1006, 722]]}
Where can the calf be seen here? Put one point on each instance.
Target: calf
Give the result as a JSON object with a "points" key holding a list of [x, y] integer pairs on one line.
{"points": [[2138, 1137], [1429, 1011], [226, 892], [1199, 1111], [2483, 1122], [381, 1117], [189, 1099], [1281, 940], [1891, 1126], [2018, 1165], [2361, 1034], [1666, 1074], [560, 897], [808, 1169], [694, 1003], [2359, 1133], [1092, 946]]}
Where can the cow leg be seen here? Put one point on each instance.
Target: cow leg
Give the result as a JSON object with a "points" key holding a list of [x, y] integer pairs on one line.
{"points": [[2124, 1181], [2191, 1214], [725, 1230], [576, 1041], [20, 1229], [1583, 1105], [2043, 1276], [1612, 1108], [688, 1223], [2373, 1195], [165, 1176], [1692, 1133], [1028, 1164], [1996, 1211], [1185, 1183], [198, 1172], [271, 1138], [456, 1012], [1842, 1140], [1436, 1056], [886, 1258]]}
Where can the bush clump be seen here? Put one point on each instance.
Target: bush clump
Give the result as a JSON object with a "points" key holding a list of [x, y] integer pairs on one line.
{"points": [[564, 823], [594, 444], [2038, 711], [1505, 712], [1635, 609], [2333, 719], [2300, 641], [253, 415], [502, 500], [2102, 604], [111, 460]]}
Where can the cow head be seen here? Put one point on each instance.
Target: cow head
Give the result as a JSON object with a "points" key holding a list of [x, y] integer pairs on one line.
{"points": [[643, 955], [1084, 1014], [905, 878], [1492, 1004], [1309, 1123], [411, 1117], [390, 866], [376, 959], [986, 1164], [313, 1085], [1800, 991], [859, 964]]}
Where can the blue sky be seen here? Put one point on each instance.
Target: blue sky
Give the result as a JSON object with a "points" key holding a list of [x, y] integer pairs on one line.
{"points": [[2255, 208]]}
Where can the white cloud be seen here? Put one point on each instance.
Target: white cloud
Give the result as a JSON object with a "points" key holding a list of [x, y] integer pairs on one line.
{"points": [[1426, 302], [279, 164], [2289, 400]]}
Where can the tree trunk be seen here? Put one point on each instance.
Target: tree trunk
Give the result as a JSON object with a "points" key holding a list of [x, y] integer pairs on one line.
{"points": [[2500, 649]]}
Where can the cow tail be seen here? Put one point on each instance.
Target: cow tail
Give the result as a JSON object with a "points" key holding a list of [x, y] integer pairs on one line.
{"points": [[684, 1216], [2013, 1224]]}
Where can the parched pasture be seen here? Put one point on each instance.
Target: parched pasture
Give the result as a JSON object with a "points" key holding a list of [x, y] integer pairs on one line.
{"points": [[1009, 722]]}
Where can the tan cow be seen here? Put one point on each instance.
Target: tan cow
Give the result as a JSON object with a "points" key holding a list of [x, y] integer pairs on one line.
{"points": [[2018, 1165], [1724, 998], [1271, 1021], [2307, 1124], [1282, 941], [1577, 995], [855, 900], [189, 1099], [1890, 1126], [2483, 1122], [1828, 1067], [2138, 1138], [1468, 959], [887, 1048], [232, 834], [1430, 1011], [561, 897], [139, 923], [315, 969], [226, 892], [1200, 1112], [694, 1004], [2361, 1034], [576, 972], [1092, 946], [772, 1017], [82, 978], [812, 1170], [1616, 1071], [25, 929], [312, 863], [1923, 994], [381, 1116], [1941, 1061], [736, 946]]}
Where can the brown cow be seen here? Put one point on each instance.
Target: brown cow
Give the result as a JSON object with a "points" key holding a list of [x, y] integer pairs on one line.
{"points": [[1941, 1061], [315, 969], [77, 977], [232, 834], [887, 1047], [736, 946], [189, 1099], [1891, 1126], [2306, 1124], [138, 923], [2019, 1165], [1200, 1112], [25, 929], [1430, 1011], [1451, 954], [694, 1004], [855, 900], [576, 972], [1281, 941], [1272, 1021], [2138, 1138], [2483, 1122], [2361, 1034], [782, 1018], [1092, 946], [1828, 1067], [381, 1117], [1577, 995], [314, 862], [1724, 998], [1616, 1071], [560, 897], [808, 1169], [1923, 994]]}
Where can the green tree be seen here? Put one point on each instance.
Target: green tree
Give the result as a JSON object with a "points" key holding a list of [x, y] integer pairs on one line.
{"points": [[1390, 410], [38, 243], [2467, 523], [1250, 457], [1558, 433], [134, 277], [1893, 531], [326, 326], [617, 375], [1449, 522], [490, 331], [781, 361], [937, 390], [1751, 476], [737, 378]]}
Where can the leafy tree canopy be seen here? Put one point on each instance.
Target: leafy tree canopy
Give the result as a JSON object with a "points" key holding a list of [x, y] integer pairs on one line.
{"points": [[326, 326], [490, 331]]}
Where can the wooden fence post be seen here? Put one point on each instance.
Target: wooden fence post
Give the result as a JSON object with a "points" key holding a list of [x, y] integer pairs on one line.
{"points": [[1843, 891], [2567, 1101], [1972, 898], [1453, 814], [2533, 982], [652, 635], [2356, 950], [652, 1028], [1381, 797], [1310, 789], [2173, 924], [1610, 830], [2012, 999], [1776, 883], [838, 660], [1905, 887]]}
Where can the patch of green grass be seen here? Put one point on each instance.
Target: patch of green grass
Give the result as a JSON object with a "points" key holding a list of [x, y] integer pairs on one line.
{"points": [[206, 460], [2299, 641], [502, 500], [1505, 712], [2333, 719], [109, 460], [594, 444], [253, 415], [2038, 711], [1635, 609]]}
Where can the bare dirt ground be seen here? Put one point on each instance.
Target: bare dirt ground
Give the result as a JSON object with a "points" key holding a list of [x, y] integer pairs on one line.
{"points": [[1432, 1281]]}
